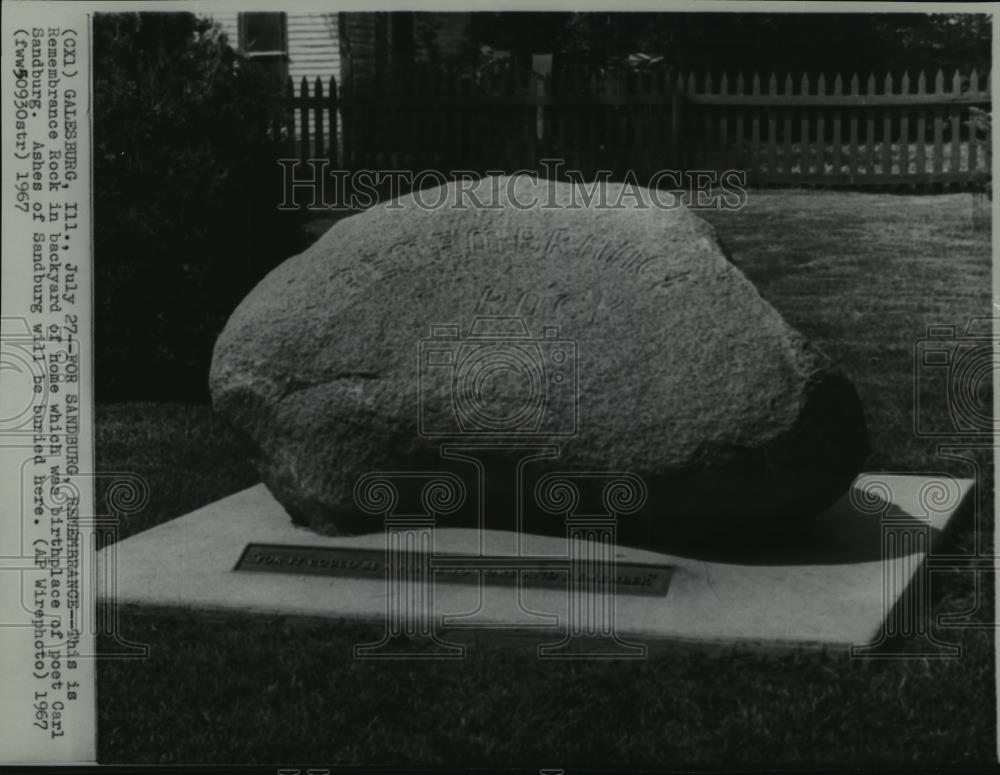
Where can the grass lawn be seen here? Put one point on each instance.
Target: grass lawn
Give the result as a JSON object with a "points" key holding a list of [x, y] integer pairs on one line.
{"points": [[868, 161], [862, 274]]}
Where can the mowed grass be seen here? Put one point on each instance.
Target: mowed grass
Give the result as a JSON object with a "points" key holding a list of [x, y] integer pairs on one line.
{"points": [[862, 275]]}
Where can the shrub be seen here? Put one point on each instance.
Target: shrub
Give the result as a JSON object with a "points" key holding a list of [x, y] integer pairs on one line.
{"points": [[186, 190]]}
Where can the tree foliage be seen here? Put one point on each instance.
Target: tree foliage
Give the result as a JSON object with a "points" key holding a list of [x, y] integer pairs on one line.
{"points": [[186, 194], [781, 42]]}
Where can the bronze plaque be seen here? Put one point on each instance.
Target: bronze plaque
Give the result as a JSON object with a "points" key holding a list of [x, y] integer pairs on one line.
{"points": [[631, 578]]}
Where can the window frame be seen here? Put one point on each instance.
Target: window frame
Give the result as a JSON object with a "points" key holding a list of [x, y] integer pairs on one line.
{"points": [[279, 56], [272, 53]]}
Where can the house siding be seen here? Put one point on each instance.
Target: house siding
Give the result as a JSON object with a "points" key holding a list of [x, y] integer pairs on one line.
{"points": [[313, 44], [313, 47], [313, 41]]}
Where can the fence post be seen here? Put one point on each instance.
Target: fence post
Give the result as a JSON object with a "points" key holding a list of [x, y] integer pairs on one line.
{"points": [[852, 164], [348, 115], [532, 120], [722, 158], [786, 130], [693, 155], [870, 129], [304, 144], [838, 90], [755, 128], [707, 132], [805, 145], [956, 132], [741, 155], [921, 128], [904, 129], [821, 130], [289, 112], [938, 128], [611, 145], [887, 130], [973, 138], [676, 87], [772, 130], [319, 137], [334, 154]]}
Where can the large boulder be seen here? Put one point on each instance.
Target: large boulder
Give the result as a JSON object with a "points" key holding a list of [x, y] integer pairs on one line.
{"points": [[624, 335]]}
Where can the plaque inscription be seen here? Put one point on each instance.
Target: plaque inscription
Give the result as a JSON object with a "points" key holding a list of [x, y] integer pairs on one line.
{"points": [[631, 578]]}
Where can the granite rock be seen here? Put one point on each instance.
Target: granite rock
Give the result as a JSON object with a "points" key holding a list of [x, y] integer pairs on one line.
{"points": [[623, 335]]}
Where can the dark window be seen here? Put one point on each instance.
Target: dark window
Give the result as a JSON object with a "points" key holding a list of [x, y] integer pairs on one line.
{"points": [[264, 41], [263, 33]]}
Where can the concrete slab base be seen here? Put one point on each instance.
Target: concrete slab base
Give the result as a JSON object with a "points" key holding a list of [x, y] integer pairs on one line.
{"points": [[833, 587]]}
